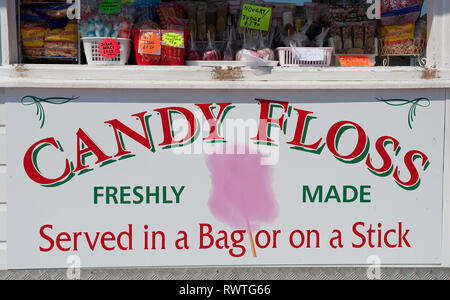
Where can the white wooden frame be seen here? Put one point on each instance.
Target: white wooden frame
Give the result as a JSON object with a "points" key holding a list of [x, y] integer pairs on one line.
{"points": [[436, 75]]}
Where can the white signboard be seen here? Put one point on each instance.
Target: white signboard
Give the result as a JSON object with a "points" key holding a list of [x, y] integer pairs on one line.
{"points": [[191, 178]]}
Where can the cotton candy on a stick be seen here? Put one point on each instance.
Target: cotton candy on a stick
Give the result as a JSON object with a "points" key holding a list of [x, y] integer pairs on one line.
{"points": [[241, 194]]}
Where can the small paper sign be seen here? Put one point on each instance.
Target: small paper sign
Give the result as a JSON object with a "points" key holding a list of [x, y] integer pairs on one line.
{"points": [[109, 48], [355, 61], [109, 6], [173, 39], [305, 54], [150, 43], [256, 17]]}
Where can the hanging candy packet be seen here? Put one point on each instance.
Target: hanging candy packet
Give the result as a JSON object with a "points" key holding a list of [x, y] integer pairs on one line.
{"points": [[420, 34], [264, 48], [299, 39], [252, 39], [228, 53], [244, 46], [321, 37], [165, 10]]}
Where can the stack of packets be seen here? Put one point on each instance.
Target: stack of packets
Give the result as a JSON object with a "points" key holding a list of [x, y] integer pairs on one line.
{"points": [[352, 32], [47, 33], [402, 30]]}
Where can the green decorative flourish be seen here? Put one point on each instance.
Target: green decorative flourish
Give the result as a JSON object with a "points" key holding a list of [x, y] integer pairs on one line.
{"points": [[33, 100], [422, 102]]}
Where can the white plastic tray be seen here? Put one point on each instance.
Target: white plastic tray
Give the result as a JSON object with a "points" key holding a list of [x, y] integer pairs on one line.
{"points": [[229, 63]]}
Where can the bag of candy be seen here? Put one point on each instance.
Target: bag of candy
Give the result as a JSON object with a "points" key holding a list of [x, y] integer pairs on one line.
{"points": [[228, 53], [193, 53], [211, 52]]}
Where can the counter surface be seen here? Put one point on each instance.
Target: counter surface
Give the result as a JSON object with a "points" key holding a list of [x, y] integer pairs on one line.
{"points": [[186, 77]]}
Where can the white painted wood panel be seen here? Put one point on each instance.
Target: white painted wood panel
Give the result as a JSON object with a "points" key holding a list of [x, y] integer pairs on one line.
{"points": [[2, 145], [446, 188], [3, 263], [2, 222], [8, 31], [2, 108], [2, 184], [3, 229], [2, 114], [438, 37]]}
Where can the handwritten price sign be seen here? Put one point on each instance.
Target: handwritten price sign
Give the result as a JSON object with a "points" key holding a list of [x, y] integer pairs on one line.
{"points": [[173, 39], [256, 17], [109, 48], [109, 6], [355, 61], [149, 43]]}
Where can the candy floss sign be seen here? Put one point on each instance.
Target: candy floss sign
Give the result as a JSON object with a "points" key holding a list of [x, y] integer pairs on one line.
{"points": [[128, 178]]}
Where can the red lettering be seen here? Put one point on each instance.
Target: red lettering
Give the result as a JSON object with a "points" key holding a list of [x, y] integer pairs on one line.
{"points": [[291, 239], [206, 235], [300, 132], [46, 237], [92, 245], [402, 237], [214, 123], [105, 240], [257, 239], [120, 128], [266, 118], [89, 147], [107, 236], [75, 240], [62, 237], [30, 163], [333, 137], [414, 179], [166, 120], [386, 241], [380, 146], [129, 236], [357, 233]]}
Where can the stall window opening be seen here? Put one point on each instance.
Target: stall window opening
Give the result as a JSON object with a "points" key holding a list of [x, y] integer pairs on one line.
{"points": [[288, 33]]}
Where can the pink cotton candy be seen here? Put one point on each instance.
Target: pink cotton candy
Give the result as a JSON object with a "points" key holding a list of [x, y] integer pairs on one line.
{"points": [[241, 194]]}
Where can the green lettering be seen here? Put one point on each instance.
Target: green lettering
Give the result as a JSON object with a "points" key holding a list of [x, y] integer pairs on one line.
{"points": [[364, 193], [97, 194], [165, 196], [307, 192], [332, 194], [177, 193], [138, 194], [124, 194], [345, 196], [155, 194], [110, 194]]}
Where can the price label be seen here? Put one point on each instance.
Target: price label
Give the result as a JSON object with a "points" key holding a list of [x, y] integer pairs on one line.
{"points": [[109, 6], [173, 39], [256, 17], [109, 48], [150, 43], [355, 61], [306, 54]]}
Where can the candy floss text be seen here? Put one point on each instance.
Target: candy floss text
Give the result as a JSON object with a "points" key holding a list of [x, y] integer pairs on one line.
{"points": [[272, 114]]}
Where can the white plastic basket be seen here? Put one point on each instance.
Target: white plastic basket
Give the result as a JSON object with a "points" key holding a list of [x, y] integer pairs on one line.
{"points": [[93, 56], [286, 56]]}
